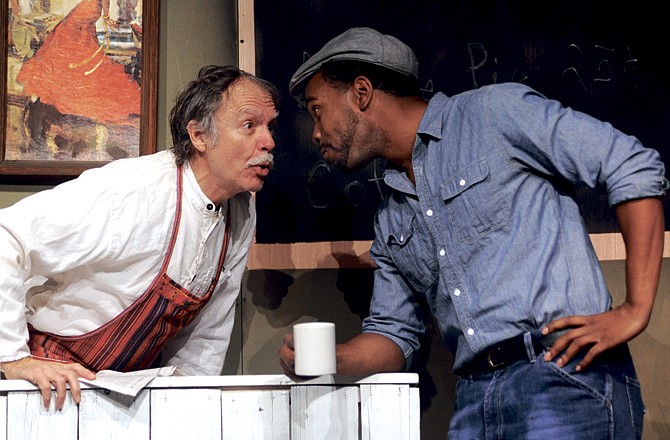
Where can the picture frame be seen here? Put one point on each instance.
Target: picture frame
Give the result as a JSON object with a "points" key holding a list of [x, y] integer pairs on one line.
{"points": [[39, 150]]}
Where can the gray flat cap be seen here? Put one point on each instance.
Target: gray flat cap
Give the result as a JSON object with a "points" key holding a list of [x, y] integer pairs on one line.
{"points": [[358, 44]]}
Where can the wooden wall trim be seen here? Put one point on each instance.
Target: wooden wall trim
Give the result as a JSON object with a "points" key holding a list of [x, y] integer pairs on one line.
{"points": [[354, 254], [321, 255], [247, 36]]}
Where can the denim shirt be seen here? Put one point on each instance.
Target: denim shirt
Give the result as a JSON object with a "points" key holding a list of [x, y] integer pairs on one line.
{"points": [[491, 237]]}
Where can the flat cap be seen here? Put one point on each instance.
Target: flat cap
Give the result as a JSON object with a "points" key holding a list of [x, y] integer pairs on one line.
{"points": [[358, 44]]}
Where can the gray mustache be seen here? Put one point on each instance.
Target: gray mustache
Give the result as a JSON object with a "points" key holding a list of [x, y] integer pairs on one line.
{"points": [[263, 158]]}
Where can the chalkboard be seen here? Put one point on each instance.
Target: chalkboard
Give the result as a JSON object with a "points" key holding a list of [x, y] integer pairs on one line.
{"points": [[601, 57]]}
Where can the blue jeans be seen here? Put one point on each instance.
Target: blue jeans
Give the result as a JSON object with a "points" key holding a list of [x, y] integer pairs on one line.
{"points": [[538, 400]]}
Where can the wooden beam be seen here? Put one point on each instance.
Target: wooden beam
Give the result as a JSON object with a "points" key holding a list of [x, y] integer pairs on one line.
{"points": [[354, 254], [247, 36]]}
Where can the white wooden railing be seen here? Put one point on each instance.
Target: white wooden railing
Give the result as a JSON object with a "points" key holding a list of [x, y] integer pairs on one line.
{"points": [[379, 407]]}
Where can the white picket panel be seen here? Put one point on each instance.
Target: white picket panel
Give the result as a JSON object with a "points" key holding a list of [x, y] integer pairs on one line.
{"points": [[107, 415], [186, 413], [3, 416], [414, 414], [255, 414], [28, 419], [243, 407], [385, 412], [324, 412]]}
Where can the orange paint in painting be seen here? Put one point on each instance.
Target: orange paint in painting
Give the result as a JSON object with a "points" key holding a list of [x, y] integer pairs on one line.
{"points": [[71, 71]]}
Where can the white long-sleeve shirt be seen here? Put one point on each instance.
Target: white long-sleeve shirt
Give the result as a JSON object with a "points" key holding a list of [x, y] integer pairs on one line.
{"points": [[75, 256]]}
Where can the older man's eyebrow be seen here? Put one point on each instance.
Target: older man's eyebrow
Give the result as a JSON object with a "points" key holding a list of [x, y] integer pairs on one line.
{"points": [[252, 112]]}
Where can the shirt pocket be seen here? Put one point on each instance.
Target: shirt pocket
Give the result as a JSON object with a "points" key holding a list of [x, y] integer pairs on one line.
{"points": [[475, 206], [411, 256]]}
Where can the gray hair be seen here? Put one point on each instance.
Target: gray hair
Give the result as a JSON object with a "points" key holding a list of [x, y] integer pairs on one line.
{"points": [[199, 101]]}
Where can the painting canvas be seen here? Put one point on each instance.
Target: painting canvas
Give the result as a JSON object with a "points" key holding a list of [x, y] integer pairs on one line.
{"points": [[74, 83]]}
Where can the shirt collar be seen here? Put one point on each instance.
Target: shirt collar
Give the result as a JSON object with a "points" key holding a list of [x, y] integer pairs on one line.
{"points": [[429, 127], [193, 193], [431, 122]]}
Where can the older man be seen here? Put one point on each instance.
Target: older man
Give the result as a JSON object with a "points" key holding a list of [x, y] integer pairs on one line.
{"points": [[141, 259]]}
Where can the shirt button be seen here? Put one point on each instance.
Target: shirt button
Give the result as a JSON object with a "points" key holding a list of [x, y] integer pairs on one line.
{"points": [[429, 212], [210, 206], [471, 331], [442, 253], [462, 182], [457, 292]]}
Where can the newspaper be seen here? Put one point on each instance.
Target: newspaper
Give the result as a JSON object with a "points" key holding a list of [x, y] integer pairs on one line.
{"points": [[129, 383]]}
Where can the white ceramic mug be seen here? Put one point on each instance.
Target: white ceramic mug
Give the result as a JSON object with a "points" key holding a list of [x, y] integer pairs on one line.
{"points": [[314, 344]]}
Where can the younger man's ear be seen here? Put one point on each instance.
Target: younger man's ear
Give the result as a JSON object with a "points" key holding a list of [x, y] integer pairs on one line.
{"points": [[363, 92]]}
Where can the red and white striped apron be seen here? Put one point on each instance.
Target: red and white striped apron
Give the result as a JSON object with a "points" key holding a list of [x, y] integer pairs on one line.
{"points": [[134, 339]]}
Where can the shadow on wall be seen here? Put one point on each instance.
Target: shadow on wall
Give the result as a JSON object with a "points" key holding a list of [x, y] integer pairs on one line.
{"points": [[649, 353], [343, 296]]}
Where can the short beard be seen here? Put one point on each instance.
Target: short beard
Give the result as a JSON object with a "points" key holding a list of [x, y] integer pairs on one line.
{"points": [[373, 141]]}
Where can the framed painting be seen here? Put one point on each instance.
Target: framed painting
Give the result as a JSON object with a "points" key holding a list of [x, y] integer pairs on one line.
{"points": [[80, 85]]}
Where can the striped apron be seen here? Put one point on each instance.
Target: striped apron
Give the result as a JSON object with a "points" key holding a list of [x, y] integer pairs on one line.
{"points": [[134, 339]]}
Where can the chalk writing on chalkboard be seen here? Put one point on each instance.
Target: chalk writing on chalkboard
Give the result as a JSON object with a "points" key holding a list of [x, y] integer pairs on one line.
{"points": [[354, 191], [595, 56]]}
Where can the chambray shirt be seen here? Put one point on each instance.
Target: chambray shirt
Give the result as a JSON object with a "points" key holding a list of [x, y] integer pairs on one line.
{"points": [[491, 236]]}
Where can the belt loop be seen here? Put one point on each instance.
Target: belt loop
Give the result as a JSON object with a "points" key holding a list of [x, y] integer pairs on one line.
{"points": [[530, 349]]}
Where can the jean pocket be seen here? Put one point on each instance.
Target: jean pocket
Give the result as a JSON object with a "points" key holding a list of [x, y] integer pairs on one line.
{"points": [[593, 383], [636, 405], [619, 392]]}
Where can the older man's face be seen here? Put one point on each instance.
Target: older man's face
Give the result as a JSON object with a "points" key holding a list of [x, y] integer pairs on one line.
{"points": [[238, 156]]}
